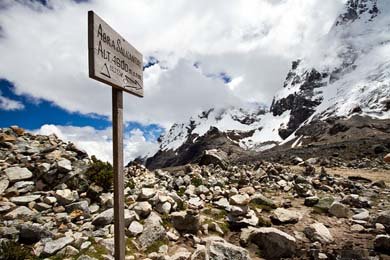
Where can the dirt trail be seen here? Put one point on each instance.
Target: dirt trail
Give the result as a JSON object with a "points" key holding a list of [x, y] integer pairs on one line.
{"points": [[371, 174]]}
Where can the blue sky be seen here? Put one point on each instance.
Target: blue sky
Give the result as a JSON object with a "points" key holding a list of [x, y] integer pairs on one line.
{"points": [[39, 112], [197, 55]]}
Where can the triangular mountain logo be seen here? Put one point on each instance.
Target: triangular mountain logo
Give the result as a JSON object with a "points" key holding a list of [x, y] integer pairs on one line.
{"points": [[104, 71]]}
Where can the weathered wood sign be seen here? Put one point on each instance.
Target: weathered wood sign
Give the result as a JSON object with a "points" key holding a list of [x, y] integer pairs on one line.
{"points": [[112, 60]]}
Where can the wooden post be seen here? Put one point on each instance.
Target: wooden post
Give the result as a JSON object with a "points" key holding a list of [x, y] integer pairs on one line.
{"points": [[119, 201]]}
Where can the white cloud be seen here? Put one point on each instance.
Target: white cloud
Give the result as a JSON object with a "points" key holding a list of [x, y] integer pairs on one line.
{"points": [[10, 104], [44, 51], [99, 142]]}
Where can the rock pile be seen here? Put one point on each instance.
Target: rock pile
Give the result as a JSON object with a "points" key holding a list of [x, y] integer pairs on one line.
{"points": [[48, 205]]}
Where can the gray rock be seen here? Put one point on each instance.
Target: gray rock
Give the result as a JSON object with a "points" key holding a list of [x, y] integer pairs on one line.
{"points": [[50, 200], [15, 174], [218, 250], [44, 167], [6, 206], [223, 203], [324, 204], [215, 157], [311, 201], [24, 200], [81, 205], [273, 243], [143, 209], [318, 232], [362, 215], [130, 216], [32, 233], [21, 212], [200, 253], [8, 232], [261, 200], [135, 228], [68, 251], [164, 208], [146, 193], [64, 165], [186, 221], [357, 201], [339, 210], [240, 200], [66, 196], [40, 206], [4, 183], [104, 218], [53, 246], [382, 243], [109, 244], [153, 231], [285, 216], [383, 218]]}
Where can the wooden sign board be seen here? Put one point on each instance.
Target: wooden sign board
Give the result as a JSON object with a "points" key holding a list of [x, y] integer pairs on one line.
{"points": [[112, 60]]}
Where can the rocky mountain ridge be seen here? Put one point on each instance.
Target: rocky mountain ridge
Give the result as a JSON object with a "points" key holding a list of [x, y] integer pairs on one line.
{"points": [[348, 75]]}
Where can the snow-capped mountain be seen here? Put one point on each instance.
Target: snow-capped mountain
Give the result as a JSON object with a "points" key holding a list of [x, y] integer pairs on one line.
{"points": [[348, 74]]}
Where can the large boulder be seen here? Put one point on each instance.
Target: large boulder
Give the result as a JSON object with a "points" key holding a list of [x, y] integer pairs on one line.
{"points": [[153, 231], [273, 243], [215, 157], [186, 221]]}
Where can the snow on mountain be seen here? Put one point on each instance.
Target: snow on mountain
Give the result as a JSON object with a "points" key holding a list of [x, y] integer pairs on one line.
{"points": [[349, 73]]}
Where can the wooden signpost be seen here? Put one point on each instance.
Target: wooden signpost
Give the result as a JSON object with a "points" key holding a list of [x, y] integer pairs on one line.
{"points": [[114, 61]]}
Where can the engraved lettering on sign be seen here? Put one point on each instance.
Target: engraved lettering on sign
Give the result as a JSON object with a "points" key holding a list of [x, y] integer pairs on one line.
{"points": [[113, 60]]}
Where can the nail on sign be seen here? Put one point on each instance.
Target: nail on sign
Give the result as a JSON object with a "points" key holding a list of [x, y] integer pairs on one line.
{"points": [[112, 60]]}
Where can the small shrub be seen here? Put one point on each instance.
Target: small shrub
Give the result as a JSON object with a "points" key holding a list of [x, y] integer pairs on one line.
{"points": [[10, 250], [196, 181], [101, 173]]}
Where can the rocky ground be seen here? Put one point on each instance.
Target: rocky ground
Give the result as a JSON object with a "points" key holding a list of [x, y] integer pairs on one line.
{"points": [[52, 208]]}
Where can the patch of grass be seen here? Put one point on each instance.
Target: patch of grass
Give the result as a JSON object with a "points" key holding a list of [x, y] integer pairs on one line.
{"points": [[10, 250], [155, 246], [100, 173], [253, 205], [166, 221], [130, 184], [264, 222], [215, 214], [181, 205], [130, 247], [181, 191]]}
